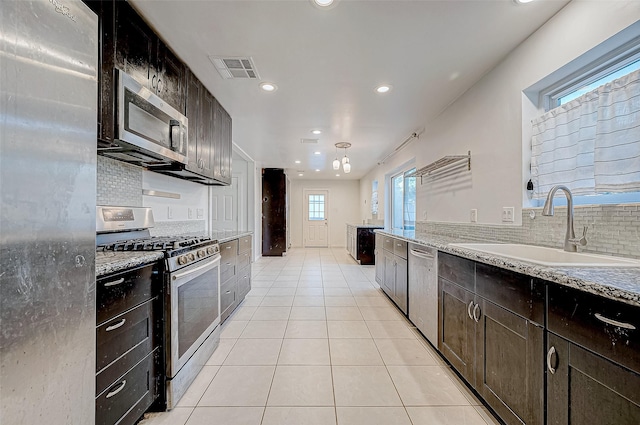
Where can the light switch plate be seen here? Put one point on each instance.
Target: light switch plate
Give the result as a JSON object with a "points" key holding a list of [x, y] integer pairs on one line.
{"points": [[169, 212], [474, 215], [190, 213], [199, 212], [507, 214]]}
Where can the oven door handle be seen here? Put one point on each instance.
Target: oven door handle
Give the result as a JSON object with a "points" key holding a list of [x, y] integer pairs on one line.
{"points": [[177, 276]]}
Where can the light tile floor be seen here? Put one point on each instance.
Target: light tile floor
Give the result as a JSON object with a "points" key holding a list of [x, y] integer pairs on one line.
{"points": [[316, 342]]}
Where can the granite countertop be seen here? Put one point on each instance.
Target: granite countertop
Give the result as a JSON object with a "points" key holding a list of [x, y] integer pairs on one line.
{"points": [[621, 284], [366, 226], [229, 235], [108, 262]]}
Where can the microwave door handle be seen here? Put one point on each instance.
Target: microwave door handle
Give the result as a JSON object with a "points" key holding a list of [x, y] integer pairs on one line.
{"points": [[175, 131]]}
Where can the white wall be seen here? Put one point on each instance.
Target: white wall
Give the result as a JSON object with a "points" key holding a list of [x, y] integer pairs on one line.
{"points": [[343, 208], [192, 196], [488, 119]]}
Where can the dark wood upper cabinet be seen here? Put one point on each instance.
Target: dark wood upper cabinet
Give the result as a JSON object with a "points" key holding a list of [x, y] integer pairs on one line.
{"points": [[142, 54], [129, 44]]}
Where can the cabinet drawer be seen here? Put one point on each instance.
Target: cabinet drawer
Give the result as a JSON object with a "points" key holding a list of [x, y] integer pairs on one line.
{"points": [[244, 259], [244, 244], [120, 291], [518, 293], [388, 243], [228, 269], [607, 327], [130, 395], [244, 284], [400, 248], [228, 294], [229, 250], [130, 331], [457, 270], [228, 298]]}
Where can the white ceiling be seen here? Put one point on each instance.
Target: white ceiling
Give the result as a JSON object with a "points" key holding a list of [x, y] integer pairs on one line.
{"points": [[327, 63]]}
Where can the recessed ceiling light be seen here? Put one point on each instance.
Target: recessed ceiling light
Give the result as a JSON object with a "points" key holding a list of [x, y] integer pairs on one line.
{"points": [[522, 1], [297, 162], [317, 153], [317, 169], [383, 88], [268, 86], [337, 175], [300, 174], [323, 3], [316, 131]]}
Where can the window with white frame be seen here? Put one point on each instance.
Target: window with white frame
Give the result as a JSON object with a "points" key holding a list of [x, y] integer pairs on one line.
{"points": [[403, 201], [589, 138]]}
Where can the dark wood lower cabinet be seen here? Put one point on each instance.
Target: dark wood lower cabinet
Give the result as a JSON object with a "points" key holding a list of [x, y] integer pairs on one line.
{"points": [[456, 328], [509, 355], [587, 389]]}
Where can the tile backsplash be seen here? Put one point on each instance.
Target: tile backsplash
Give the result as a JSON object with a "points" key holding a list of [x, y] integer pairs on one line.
{"points": [[178, 227], [612, 229], [118, 183]]}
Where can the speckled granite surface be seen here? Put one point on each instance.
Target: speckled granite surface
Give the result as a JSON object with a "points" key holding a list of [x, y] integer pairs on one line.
{"points": [[110, 262], [365, 226], [622, 284], [229, 235]]}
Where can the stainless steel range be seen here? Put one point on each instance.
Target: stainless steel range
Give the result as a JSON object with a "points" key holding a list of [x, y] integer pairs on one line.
{"points": [[192, 298]]}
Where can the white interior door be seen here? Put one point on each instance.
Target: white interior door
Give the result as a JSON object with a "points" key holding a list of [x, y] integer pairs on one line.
{"points": [[224, 206], [316, 219]]}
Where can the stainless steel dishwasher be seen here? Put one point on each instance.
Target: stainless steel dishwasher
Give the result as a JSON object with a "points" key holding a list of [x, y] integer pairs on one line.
{"points": [[423, 290]]}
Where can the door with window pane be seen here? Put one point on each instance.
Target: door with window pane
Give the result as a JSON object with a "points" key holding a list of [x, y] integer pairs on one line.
{"points": [[316, 222]]}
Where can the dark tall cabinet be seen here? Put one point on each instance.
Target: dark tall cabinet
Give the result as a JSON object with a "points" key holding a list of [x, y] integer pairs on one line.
{"points": [[274, 212]]}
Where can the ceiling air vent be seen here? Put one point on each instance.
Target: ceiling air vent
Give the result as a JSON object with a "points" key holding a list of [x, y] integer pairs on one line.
{"points": [[235, 67], [309, 141]]}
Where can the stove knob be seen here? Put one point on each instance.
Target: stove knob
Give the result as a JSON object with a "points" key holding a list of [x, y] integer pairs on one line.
{"points": [[182, 260], [190, 256], [201, 253], [210, 250]]}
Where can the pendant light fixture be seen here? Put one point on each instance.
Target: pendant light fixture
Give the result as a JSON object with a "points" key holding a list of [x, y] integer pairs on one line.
{"points": [[336, 162], [346, 164]]}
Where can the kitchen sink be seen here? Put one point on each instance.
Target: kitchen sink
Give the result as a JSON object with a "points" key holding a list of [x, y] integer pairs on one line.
{"points": [[549, 256]]}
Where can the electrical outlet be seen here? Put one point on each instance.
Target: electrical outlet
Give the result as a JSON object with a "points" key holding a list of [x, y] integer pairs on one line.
{"points": [[200, 213], [169, 212], [507, 214], [424, 214], [474, 215], [190, 213]]}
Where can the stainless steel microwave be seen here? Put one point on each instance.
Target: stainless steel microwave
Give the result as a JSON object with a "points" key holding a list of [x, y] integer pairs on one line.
{"points": [[149, 131]]}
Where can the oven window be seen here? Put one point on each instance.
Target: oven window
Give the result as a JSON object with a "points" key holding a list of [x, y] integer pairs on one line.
{"points": [[197, 308]]}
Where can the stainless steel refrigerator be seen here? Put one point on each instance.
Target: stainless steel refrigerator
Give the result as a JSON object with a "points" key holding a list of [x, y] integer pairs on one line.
{"points": [[48, 107]]}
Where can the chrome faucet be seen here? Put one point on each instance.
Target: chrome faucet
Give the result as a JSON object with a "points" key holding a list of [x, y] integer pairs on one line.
{"points": [[570, 241]]}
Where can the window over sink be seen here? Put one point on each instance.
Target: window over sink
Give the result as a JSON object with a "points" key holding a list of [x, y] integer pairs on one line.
{"points": [[586, 133]]}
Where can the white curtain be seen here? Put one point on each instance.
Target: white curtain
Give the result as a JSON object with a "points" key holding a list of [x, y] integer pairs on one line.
{"points": [[617, 148], [592, 143], [562, 147]]}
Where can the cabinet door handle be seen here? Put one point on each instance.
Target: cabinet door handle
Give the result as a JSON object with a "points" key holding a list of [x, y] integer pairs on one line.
{"points": [[608, 321], [153, 82], [114, 283], [116, 391], [550, 354], [159, 86], [476, 313], [116, 326], [469, 310]]}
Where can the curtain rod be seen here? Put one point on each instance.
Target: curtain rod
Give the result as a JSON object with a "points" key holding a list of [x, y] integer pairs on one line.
{"points": [[414, 135]]}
